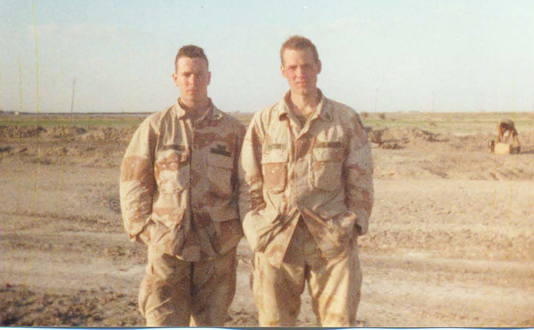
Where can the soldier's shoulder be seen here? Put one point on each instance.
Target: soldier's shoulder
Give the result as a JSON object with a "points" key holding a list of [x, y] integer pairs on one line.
{"points": [[340, 108], [343, 110], [231, 119], [155, 118], [265, 115], [228, 123]]}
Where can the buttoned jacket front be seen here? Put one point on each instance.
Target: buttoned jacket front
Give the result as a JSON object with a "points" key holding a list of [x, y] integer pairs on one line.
{"points": [[178, 183], [321, 172]]}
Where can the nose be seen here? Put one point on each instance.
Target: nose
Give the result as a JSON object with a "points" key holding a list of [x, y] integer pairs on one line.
{"points": [[193, 79], [300, 72]]}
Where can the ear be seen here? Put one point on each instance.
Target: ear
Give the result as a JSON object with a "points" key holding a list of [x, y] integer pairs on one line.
{"points": [[209, 77], [175, 78], [319, 66], [283, 70]]}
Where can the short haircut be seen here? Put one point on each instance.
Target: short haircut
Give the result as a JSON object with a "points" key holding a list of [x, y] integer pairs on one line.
{"points": [[190, 51], [298, 43]]}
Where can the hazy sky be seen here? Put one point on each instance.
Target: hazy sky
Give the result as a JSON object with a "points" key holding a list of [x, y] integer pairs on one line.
{"points": [[402, 55]]}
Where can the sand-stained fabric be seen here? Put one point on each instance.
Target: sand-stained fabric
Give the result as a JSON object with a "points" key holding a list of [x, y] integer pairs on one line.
{"points": [[318, 175], [178, 183], [334, 284], [321, 171], [178, 192], [173, 290]]}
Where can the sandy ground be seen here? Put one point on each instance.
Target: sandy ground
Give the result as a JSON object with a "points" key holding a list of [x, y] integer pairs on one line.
{"points": [[451, 241]]}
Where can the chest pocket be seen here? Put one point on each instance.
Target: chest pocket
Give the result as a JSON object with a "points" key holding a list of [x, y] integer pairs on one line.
{"points": [[274, 168], [220, 168], [327, 168], [172, 172]]}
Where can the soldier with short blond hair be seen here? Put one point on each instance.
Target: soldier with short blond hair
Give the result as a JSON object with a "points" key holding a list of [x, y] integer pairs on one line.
{"points": [[305, 196], [178, 196]]}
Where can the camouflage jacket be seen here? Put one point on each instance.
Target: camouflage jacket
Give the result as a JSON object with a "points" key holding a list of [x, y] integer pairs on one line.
{"points": [[178, 183], [321, 172]]}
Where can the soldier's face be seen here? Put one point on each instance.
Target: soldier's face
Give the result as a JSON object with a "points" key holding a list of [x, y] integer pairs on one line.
{"points": [[300, 69], [192, 78]]}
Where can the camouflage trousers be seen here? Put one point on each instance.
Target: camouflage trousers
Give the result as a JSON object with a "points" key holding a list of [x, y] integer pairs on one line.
{"points": [[334, 285], [175, 292]]}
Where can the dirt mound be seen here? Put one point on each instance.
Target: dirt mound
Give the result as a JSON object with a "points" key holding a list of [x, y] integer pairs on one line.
{"points": [[10, 133], [37, 131], [397, 138], [108, 134], [20, 132], [475, 142], [62, 132]]}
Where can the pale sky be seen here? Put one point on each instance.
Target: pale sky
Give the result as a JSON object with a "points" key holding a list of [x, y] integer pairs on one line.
{"points": [[377, 55]]}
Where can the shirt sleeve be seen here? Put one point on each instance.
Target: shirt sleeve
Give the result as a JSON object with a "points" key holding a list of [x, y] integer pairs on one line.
{"points": [[359, 169], [137, 183], [241, 130], [251, 182]]}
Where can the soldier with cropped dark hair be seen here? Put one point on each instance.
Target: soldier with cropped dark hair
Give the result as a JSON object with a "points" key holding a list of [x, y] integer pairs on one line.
{"points": [[178, 195], [190, 51]]}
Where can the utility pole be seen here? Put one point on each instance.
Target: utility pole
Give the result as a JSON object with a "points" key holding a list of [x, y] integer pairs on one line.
{"points": [[72, 102], [36, 58], [20, 84], [376, 99]]}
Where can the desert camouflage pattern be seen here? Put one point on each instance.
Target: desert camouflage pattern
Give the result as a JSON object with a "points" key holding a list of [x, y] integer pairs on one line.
{"points": [[321, 172], [179, 293], [178, 180], [334, 284]]}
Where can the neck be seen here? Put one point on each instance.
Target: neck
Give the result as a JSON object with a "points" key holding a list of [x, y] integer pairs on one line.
{"points": [[304, 105], [305, 100], [195, 109]]}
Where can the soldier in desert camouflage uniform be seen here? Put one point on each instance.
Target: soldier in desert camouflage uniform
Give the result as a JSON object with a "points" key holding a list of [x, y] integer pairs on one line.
{"points": [[306, 194], [178, 195]]}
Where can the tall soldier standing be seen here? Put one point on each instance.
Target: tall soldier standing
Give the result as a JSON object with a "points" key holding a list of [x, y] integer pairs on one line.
{"points": [[178, 196], [306, 194]]}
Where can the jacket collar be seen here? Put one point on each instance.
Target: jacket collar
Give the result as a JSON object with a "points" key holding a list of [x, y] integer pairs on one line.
{"points": [[323, 109], [212, 113]]}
